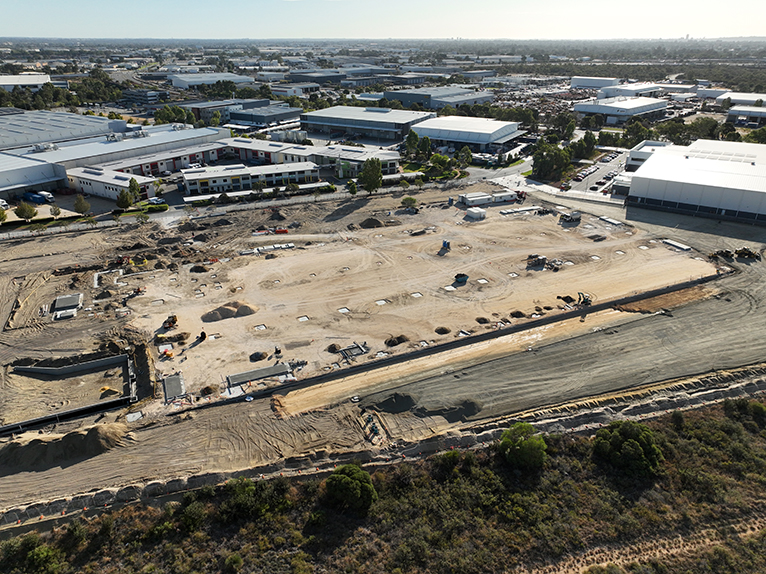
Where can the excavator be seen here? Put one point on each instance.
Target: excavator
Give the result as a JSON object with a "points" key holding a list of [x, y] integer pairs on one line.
{"points": [[170, 322]]}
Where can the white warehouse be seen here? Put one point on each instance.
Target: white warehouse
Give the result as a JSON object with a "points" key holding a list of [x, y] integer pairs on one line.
{"points": [[107, 183], [591, 82], [723, 180], [477, 133], [620, 110]]}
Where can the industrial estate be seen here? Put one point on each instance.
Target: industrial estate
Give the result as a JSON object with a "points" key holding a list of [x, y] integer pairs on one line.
{"points": [[272, 260]]}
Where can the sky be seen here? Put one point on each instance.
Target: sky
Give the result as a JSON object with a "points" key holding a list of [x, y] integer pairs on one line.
{"points": [[380, 19]]}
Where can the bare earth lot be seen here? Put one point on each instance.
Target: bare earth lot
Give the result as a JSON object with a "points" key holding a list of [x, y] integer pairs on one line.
{"points": [[333, 267]]}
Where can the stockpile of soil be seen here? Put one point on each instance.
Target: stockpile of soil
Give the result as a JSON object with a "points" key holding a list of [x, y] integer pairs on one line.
{"points": [[443, 330], [228, 311], [258, 356], [199, 269], [54, 450], [105, 295], [371, 223], [461, 411], [394, 341]]}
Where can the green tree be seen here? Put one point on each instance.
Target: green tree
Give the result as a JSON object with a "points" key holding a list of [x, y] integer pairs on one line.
{"points": [[757, 136], [371, 176], [124, 200], [134, 190], [464, 156], [409, 202], [215, 120], [758, 103], [351, 488], [404, 184], [80, 205], [419, 182], [55, 211], [25, 211], [141, 218], [424, 147], [629, 446], [522, 447], [411, 143], [3, 215], [352, 188]]}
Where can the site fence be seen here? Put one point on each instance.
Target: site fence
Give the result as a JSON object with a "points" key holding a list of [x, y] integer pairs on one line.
{"points": [[25, 233]]}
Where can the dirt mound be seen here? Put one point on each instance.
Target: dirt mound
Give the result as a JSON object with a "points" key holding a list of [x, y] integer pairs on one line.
{"points": [[188, 226], [160, 338], [53, 450], [105, 295], [199, 269], [258, 356], [482, 320], [202, 237], [443, 330], [394, 341], [371, 223], [517, 314], [460, 412], [227, 311], [333, 348], [396, 403], [137, 246], [170, 240], [222, 222], [277, 216]]}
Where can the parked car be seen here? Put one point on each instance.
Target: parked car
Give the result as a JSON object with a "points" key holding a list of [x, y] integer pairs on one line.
{"points": [[155, 201], [4, 204]]}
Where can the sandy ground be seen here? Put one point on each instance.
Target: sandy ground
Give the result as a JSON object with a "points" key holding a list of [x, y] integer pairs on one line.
{"points": [[368, 285]]}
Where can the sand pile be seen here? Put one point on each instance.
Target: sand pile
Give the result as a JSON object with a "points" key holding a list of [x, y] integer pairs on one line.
{"points": [[33, 451], [229, 310], [371, 223], [396, 403]]}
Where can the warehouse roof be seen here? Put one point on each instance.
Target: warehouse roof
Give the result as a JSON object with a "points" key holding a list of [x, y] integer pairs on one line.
{"points": [[707, 163], [94, 149], [368, 114], [748, 111], [468, 130], [211, 78], [33, 127], [24, 79]]}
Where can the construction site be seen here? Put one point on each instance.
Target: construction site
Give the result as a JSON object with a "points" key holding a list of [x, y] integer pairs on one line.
{"points": [[290, 337]]}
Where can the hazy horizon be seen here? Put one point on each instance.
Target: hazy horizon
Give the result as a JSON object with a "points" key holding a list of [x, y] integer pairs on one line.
{"points": [[367, 20]]}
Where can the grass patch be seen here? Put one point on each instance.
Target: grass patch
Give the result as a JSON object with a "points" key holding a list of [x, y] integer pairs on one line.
{"points": [[527, 173]]}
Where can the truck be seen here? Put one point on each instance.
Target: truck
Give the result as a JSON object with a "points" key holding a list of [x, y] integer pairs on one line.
{"points": [[34, 197]]}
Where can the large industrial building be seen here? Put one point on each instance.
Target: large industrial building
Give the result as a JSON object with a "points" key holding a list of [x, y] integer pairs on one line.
{"points": [[32, 81], [204, 111], [642, 152], [233, 178], [750, 116], [723, 180], [480, 134], [21, 128], [266, 116], [647, 90], [588, 82], [437, 98], [20, 174], [620, 110], [741, 99], [186, 81], [377, 123]]}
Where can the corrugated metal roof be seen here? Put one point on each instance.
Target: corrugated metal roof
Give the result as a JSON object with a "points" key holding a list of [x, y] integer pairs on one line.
{"points": [[368, 114]]}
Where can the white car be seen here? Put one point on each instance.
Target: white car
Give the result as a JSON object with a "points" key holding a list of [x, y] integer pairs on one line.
{"points": [[4, 204], [155, 201]]}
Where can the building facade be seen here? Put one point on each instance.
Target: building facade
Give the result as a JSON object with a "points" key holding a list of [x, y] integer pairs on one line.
{"points": [[376, 123]]}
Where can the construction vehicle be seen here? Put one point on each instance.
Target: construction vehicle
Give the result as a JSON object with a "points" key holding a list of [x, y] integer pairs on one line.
{"points": [[573, 217], [583, 299], [535, 260], [747, 253], [461, 278], [170, 322]]}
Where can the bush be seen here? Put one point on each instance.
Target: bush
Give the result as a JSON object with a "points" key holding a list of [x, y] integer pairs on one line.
{"points": [[193, 516], [159, 207], [351, 488], [234, 562], [522, 447], [629, 446]]}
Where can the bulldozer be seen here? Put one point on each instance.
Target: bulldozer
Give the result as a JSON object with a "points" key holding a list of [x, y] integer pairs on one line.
{"points": [[584, 300], [170, 322]]}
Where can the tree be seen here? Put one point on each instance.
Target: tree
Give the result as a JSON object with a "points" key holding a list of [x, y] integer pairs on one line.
{"points": [[124, 200], [352, 188], [134, 190], [425, 148], [292, 187], [141, 218], [371, 176], [55, 211], [25, 211], [758, 103], [215, 120], [404, 184], [418, 183], [411, 143], [3, 215], [522, 447], [464, 156], [629, 446], [409, 202], [351, 488], [80, 205]]}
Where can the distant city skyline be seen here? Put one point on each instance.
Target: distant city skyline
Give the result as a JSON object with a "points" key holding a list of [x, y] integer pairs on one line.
{"points": [[369, 19]]}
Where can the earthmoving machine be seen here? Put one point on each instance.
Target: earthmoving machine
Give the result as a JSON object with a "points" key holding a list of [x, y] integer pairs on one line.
{"points": [[461, 278], [583, 299], [535, 260], [170, 322], [747, 253], [573, 217]]}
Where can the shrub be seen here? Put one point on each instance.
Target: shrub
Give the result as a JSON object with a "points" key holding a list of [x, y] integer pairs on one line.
{"points": [[522, 447], [158, 207], [234, 562], [629, 446], [351, 488], [193, 516]]}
